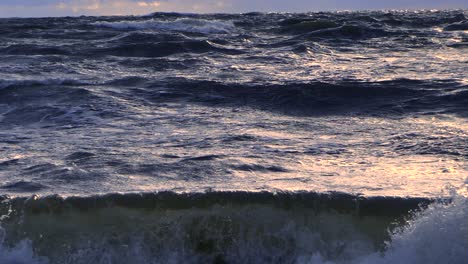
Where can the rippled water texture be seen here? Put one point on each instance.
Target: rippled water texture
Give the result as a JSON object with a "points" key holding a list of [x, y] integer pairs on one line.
{"points": [[368, 102], [250, 138]]}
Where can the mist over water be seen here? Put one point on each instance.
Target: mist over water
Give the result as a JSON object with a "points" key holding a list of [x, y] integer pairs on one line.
{"points": [[235, 138]]}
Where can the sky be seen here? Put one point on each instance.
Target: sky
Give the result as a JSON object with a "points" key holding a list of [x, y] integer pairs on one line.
{"points": [[41, 8]]}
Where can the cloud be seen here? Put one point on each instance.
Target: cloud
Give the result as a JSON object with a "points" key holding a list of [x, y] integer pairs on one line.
{"points": [[77, 7], [147, 4]]}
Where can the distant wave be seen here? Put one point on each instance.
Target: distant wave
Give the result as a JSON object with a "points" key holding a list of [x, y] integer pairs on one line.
{"points": [[47, 101], [26, 49], [318, 28], [151, 50], [386, 98], [457, 26], [5, 83], [181, 24], [316, 98]]}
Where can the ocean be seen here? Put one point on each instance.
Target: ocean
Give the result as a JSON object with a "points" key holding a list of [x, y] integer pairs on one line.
{"points": [[325, 137]]}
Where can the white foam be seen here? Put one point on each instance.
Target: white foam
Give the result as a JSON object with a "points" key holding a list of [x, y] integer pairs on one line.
{"points": [[182, 24], [21, 253], [436, 235]]}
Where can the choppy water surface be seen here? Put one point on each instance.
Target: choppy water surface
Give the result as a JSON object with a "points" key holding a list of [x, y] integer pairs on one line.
{"points": [[197, 114]]}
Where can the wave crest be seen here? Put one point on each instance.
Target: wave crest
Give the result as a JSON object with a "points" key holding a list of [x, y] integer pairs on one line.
{"points": [[182, 24], [231, 228]]}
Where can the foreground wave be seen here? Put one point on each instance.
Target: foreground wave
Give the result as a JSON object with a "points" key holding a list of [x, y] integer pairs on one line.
{"points": [[233, 227]]}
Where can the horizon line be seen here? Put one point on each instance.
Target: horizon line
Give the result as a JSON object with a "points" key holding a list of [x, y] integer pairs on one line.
{"points": [[250, 12]]}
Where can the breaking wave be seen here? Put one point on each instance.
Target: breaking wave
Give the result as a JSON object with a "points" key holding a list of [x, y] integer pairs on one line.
{"points": [[237, 227]]}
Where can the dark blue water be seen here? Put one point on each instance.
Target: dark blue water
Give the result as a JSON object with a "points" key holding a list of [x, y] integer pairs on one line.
{"points": [[235, 138]]}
